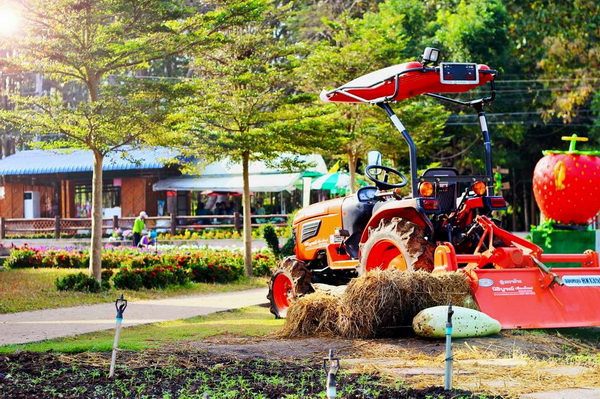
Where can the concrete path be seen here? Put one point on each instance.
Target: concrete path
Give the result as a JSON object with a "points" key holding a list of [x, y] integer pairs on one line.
{"points": [[39, 325]]}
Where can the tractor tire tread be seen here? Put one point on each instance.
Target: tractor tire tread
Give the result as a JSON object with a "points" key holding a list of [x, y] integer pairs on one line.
{"points": [[409, 235], [301, 277]]}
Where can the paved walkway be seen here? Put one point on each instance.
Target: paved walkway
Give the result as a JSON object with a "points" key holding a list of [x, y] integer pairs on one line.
{"points": [[39, 325]]}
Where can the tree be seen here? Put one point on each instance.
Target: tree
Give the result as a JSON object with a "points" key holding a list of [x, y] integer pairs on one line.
{"points": [[561, 39], [475, 29], [359, 46], [89, 42], [245, 101]]}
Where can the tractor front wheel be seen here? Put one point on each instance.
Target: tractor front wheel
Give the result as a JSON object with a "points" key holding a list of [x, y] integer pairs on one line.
{"points": [[398, 243], [289, 282]]}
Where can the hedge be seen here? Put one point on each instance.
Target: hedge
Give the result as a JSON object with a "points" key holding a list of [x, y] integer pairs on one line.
{"points": [[150, 268]]}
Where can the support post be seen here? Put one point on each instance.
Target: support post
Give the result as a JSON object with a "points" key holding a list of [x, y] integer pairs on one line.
{"points": [[173, 224], [2, 228], [332, 370], [57, 227], [115, 222], [306, 181], [236, 222], [448, 379], [120, 304], [412, 149]]}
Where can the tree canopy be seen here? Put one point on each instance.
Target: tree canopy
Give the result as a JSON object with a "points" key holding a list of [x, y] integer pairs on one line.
{"points": [[97, 44], [257, 66], [244, 103]]}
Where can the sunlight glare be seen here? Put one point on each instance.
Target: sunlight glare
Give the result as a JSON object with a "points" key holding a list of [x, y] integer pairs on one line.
{"points": [[9, 21]]}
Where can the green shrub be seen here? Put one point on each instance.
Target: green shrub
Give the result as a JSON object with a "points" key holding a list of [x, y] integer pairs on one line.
{"points": [[142, 268], [152, 277], [111, 259], [215, 272], [71, 259], [23, 257], [262, 264], [106, 275], [271, 238], [128, 279], [288, 247], [78, 282], [163, 276], [29, 257]]}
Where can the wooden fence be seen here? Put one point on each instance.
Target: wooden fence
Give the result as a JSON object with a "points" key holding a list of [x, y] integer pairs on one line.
{"points": [[172, 224]]}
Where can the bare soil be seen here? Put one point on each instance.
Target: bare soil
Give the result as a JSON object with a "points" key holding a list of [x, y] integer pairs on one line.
{"points": [[187, 374], [233, 367], [541, 344]]}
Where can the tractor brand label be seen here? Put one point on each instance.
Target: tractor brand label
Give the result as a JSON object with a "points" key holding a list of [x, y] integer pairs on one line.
{"points": [[486, 282], [316, 243], [513, 281], [513, 290], [581, 281]]}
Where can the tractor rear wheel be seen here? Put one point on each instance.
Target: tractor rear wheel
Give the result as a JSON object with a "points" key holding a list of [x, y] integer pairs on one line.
{"points": [[398, 243], [289, 282]]}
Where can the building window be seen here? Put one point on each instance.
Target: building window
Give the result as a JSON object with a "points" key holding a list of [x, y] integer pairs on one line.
{"points": [[111, 197]]}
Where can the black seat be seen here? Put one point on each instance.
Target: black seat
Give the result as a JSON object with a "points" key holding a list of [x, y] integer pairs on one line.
{"points": [[355, 216], [445, 191]]}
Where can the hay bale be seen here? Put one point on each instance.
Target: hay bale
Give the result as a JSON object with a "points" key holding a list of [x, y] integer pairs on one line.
{"points": [[313, 314], [448, 288], [373, 303], [389, 298]]}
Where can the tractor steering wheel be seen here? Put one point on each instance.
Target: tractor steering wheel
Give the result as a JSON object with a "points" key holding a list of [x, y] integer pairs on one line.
{"points": [[373, 172]]}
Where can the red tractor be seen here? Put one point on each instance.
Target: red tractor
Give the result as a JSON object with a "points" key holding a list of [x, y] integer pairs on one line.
{"points": [[443, 225]]}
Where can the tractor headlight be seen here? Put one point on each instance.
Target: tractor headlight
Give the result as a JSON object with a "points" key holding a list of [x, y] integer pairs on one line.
{"points": [[426, 189], [479, 188]]}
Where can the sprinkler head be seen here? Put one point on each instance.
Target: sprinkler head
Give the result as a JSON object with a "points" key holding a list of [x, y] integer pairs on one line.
{"points": [[120, 305]]}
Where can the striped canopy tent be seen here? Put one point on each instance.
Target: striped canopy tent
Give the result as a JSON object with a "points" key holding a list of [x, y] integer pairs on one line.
{"points": [[337, 183]]}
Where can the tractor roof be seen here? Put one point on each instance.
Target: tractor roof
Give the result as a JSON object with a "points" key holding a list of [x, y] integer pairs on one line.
{"points": [[399, 82]]}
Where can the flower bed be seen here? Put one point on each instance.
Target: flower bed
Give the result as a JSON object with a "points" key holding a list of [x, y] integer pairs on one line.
{"points": [[221, 233], [150, 268], [208, 233]]}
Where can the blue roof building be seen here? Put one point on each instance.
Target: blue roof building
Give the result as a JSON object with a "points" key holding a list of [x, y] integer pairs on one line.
{"points": [[39, 183]]}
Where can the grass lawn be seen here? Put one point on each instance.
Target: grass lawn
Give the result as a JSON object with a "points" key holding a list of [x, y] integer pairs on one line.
{"points": [[252, 321], [33, 289]]}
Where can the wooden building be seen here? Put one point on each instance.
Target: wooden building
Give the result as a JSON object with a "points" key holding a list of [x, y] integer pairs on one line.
{"points": [[37, 183]]}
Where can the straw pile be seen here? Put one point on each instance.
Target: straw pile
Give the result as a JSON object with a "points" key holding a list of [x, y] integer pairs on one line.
{"points": [[375, 302], [314, 314]]}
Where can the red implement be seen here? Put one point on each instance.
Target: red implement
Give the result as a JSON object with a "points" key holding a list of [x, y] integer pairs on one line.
{"points": [[518, 298], [512, 284]]}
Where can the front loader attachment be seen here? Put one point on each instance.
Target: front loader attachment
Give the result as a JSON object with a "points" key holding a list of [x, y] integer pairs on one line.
{"points": [[511, 283]]}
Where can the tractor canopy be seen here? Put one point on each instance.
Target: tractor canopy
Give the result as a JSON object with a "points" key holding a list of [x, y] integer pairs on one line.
{"points": [[402, 81]]}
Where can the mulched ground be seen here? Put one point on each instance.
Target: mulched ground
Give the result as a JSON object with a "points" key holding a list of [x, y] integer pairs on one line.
{"points": [[189, 374], [267, 367]]}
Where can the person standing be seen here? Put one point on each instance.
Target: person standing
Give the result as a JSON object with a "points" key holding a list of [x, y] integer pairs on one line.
{"points": [[138, 226]]}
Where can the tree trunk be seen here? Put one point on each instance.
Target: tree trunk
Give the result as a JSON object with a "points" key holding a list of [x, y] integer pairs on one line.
{"points": [[96, 241], [352, 169], [93, 84], [247, 219]]}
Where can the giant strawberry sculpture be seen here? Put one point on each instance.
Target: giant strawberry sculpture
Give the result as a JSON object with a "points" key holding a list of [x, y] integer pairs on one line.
{"points": [[566, 184]]}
